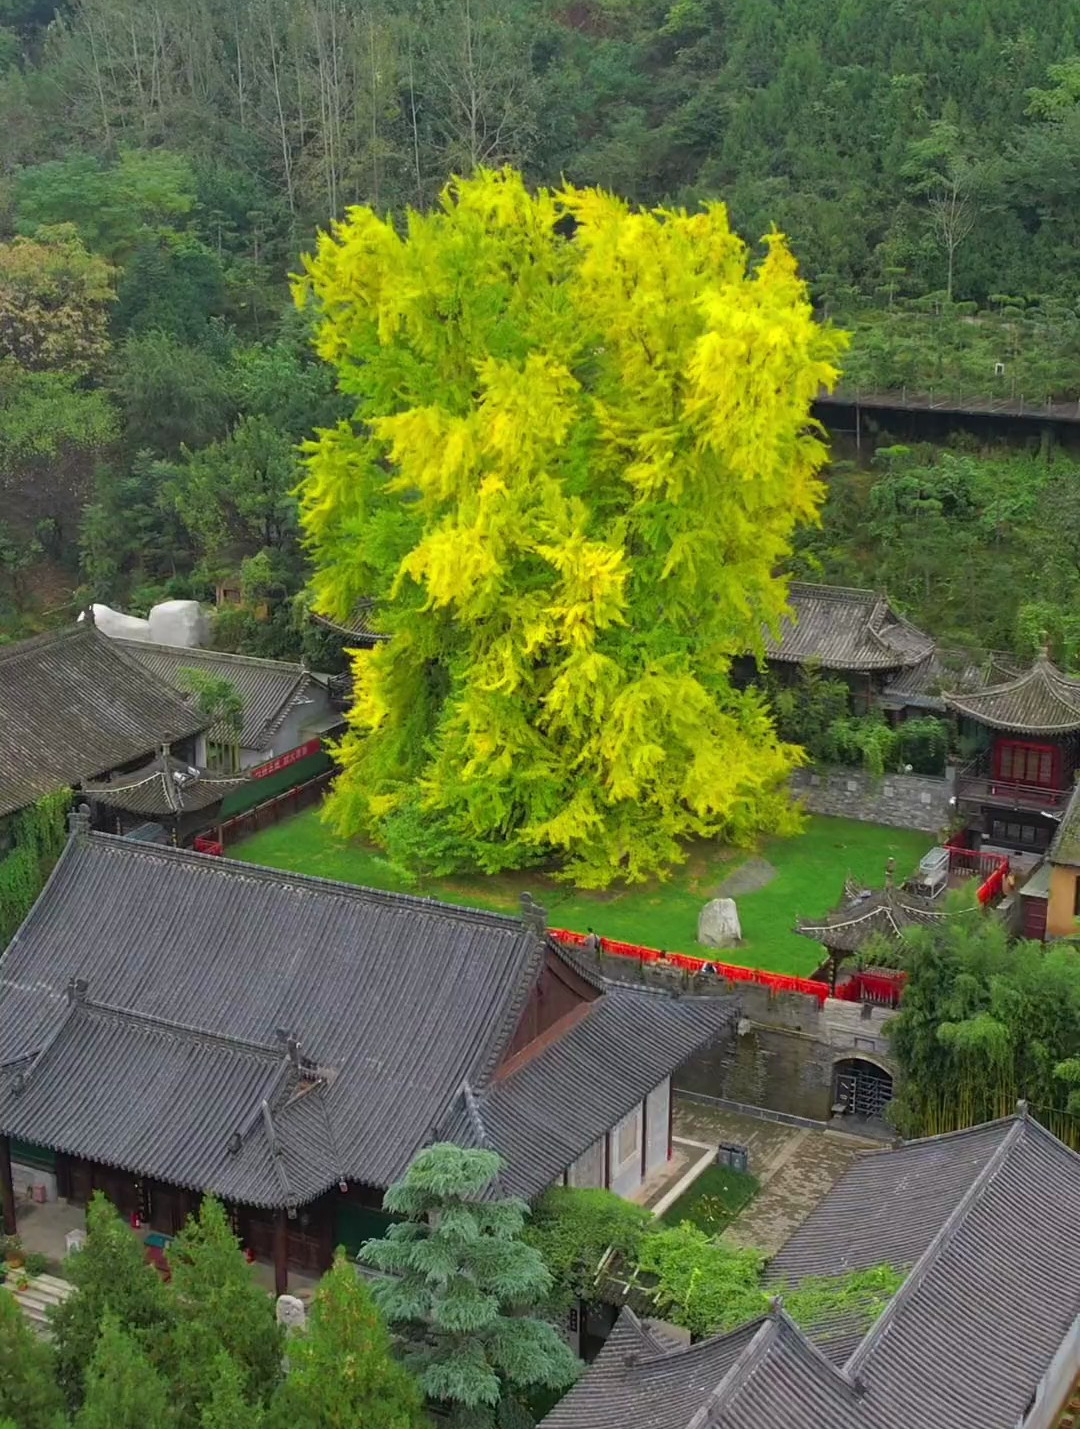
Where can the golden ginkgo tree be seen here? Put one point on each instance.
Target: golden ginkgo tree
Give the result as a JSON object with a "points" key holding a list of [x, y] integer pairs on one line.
{"points": [[580, 447]]}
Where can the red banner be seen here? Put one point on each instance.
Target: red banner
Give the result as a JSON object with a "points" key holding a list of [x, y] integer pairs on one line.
{"points": [[291, 756]]}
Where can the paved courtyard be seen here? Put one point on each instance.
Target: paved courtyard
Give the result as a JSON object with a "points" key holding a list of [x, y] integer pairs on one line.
{"points": [[795, 1166]]}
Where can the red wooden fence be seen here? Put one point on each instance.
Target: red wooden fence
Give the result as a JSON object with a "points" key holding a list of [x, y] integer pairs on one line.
{"points": [[731, 972], [882, 987], [992, 868]]}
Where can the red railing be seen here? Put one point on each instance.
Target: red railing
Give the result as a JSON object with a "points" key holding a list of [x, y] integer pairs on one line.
{"points": [[883, 987], [731, 972], [992, 868]]}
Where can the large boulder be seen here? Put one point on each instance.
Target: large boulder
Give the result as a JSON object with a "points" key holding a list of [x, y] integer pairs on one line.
{"points": [[179, 622], [118, 626], [718, 924]]}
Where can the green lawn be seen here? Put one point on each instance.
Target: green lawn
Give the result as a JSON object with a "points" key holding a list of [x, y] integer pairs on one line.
{"points": [[714, 1200], [810, 872]]}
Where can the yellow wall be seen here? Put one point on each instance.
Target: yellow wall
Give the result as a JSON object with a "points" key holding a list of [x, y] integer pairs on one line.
{"points": [[1060, 918]]}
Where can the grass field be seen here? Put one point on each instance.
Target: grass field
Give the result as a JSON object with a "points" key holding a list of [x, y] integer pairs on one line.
{"points": [[808, 880]]}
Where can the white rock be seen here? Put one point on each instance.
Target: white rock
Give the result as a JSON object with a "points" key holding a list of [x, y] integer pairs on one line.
{"points": [[179, 622], [118, 626], [718, 924]]}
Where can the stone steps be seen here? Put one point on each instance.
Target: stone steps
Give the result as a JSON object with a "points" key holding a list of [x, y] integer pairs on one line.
{"points": [[43, 1292]]}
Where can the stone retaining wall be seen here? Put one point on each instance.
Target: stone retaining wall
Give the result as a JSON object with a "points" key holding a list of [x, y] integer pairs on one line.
{"points": [[903, 801]]}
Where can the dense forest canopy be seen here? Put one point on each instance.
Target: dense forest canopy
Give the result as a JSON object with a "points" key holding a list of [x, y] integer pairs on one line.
{"points": [[164, 165]]}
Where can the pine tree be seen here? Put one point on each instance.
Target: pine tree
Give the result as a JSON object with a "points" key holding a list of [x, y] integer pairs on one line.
{"points": [[110, 1278], [341, 1371], [123, 1389], [462, 1286], [221, 1310], [29, 1394], [225, 1403], [580, 448]]}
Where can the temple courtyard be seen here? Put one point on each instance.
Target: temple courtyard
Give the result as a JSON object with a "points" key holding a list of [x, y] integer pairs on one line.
{"points": [[774, 885]]}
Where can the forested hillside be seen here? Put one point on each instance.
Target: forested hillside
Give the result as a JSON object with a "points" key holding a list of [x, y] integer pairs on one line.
{"points": [[164, 163]]}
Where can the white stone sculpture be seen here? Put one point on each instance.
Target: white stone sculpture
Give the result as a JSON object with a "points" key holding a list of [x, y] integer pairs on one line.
{"points": [[291, 1314], [118, 626], [718, 924], [179, 622]]}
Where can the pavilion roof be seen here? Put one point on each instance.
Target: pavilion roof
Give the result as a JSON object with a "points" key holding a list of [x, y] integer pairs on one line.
{"points": [[866, 914], [1041, 700], [846, 629], [163, 787]]}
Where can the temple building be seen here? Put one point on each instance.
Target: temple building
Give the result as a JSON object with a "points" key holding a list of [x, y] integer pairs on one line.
{"points": [[854, 635], [1013, 791], [74, 708], [173, 1024], [983, 1330]]}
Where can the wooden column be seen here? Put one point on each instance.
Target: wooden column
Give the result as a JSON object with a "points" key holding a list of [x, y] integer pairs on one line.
{"points": [[281, 1252], [670, 1117], [644, 1137], [7, 1187]]}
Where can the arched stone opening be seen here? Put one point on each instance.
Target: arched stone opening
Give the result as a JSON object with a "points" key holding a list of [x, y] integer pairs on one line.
{"points": [[861, 1087]]}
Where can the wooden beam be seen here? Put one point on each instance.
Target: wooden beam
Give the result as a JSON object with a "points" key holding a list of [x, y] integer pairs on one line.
{"points": [[7, 1187], [281, 1252]]}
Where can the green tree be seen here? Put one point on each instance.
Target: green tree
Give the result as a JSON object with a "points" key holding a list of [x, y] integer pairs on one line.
{"points": [[29, 1394], [123, 1389], [574, 1228], [461, 1286], [576, 461], [342, 1370], [236, 496], [111, 1280], [172, 395], [220, 702], [221, 1310], [54, 301], [225, 1402]]}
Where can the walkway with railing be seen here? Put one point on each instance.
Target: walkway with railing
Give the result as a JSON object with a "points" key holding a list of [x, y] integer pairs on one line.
{"points": [[991, 869], [910, 399]]}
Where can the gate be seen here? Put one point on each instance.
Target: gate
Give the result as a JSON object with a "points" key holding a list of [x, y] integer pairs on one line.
{"points": [[861, 1088]]}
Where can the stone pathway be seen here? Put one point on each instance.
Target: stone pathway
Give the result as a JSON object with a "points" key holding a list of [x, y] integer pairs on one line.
{"points": [[43, 1292], [801, 1175], [794, 1165]]}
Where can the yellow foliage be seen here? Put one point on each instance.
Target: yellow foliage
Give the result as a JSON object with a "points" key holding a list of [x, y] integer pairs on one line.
{"points": [[581, 444]]}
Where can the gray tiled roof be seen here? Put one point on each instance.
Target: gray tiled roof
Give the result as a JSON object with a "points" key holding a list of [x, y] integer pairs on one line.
{"points": [[164, 786], [73, 706], [882, 913], [988, 1219], [846, 629], [973, 1329], [920, 686], [912, 1191], [269, 688], [398, 1002], [543, 1115], [359, 624], [1040, 701], [637, 1381], [1065, 845]]}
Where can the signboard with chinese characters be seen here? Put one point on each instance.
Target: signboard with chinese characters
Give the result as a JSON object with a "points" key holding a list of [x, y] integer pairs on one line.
{"points": [[291, 756]]}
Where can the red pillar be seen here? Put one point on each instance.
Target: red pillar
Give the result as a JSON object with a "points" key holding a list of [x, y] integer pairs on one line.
{"points": [[281, 1252], [7, 1187]]}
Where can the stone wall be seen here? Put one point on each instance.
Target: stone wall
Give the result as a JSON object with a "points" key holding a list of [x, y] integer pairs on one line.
{"points": [[903, 801], [785, 1051]]}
